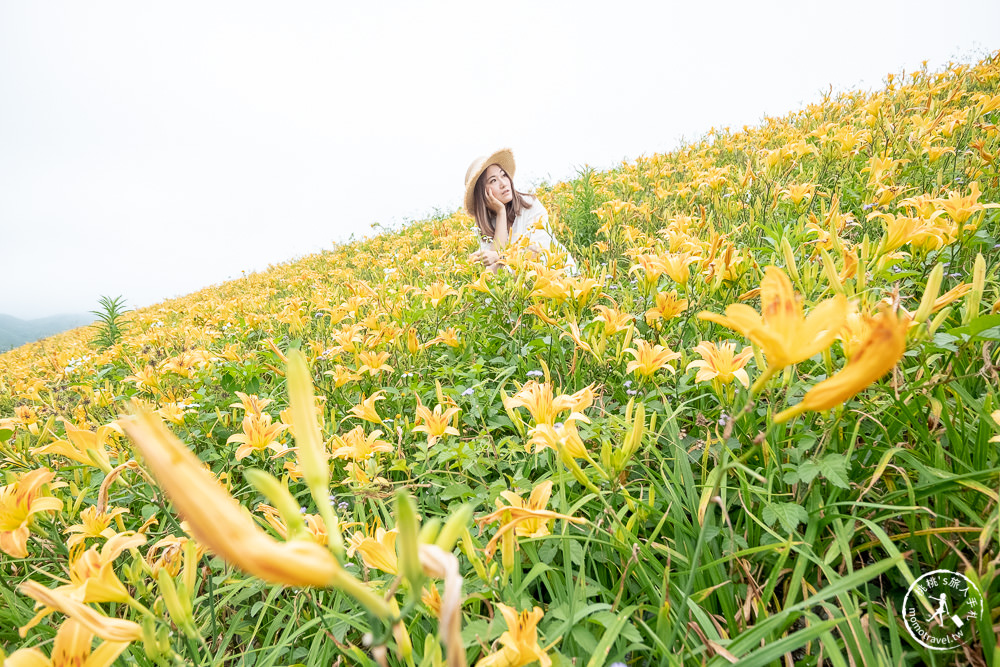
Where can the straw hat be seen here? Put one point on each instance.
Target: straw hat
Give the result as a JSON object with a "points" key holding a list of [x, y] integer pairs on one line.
{"points": [[503, 157]]}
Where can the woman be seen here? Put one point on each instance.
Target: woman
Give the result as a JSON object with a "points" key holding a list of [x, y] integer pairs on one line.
{"points": [[503, 214]]}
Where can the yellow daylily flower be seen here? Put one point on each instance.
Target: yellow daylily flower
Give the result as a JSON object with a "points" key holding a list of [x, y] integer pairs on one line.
{"points": [[19, 502], [667, 307], [448, 336], [258, 434], [92, 576], [519, 644], [315, 526], [438, 291], [377, 551], [342, 375], [358, 446], [366, 409], [614, 321], [650, 358], [959, 208], [538, 499], [883, 347], [373, 363], [168, 554], [780, 329], [93, 523], [539, 401], [435, 424], [559, 435], [71, 649], [721, 363], [252, 403], [511, 517]]}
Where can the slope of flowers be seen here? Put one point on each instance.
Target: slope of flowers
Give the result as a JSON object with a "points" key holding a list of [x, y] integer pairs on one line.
{"points": [[765, 406]]}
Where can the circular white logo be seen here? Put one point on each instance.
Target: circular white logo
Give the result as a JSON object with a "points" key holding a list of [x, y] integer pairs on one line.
{"points": [[941, 608]]}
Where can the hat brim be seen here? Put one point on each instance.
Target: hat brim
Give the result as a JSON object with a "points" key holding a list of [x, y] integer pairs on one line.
{"points": [[503, 157]]}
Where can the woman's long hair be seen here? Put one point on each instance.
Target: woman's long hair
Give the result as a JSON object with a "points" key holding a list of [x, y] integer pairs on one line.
{"points": [[485, 218]]}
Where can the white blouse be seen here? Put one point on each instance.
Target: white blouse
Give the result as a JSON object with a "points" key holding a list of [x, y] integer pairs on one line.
{"points": [[541, 235]]}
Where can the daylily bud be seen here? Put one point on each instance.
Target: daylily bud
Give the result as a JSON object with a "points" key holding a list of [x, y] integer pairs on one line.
{"points": [[280, 497], [938, 320], [429, 530], [180, 609], [407, 543], [930, 294], [311, 450], [786, 250], [976, 295], [454, 527], [830, 270], [862, 275]]}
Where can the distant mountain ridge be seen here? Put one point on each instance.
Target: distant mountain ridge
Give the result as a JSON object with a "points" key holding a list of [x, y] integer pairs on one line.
{"points": [[15, 332]]}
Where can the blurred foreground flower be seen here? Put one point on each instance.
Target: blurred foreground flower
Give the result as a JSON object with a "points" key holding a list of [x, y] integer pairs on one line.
{"points": [[19, 502], [217, 520], [877, 354], [71, 647]]}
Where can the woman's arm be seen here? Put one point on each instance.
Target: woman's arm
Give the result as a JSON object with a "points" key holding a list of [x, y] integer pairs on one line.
{"points": [[500, 234]]}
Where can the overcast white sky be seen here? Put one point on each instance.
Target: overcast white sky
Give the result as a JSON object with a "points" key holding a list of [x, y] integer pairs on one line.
{"points": [[151, 149]]}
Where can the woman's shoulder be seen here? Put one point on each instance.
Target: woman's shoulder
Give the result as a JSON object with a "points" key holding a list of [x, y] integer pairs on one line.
{"points": [[533, 206]]}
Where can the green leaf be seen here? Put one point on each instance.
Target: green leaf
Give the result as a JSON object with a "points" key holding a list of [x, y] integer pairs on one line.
{"points": [[789, 515], [981, 327], [834, 468], [456, 491]]}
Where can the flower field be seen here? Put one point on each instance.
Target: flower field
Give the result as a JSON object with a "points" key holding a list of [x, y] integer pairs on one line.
{"points": [[765, 406]]}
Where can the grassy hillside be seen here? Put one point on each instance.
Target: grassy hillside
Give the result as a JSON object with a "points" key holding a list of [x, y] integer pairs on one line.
{"points": [[763, 410]]}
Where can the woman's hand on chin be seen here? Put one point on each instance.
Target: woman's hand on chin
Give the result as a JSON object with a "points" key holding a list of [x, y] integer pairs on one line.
{"points": [[486, 257], [494, 204]]}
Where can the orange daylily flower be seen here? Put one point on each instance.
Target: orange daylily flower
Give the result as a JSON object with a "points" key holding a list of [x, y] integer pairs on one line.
{"points": [[218, 521], [786, 336], [876, 356], [520, 641]]}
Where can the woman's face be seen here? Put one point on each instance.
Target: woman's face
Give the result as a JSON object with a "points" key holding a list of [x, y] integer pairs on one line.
{"points": [[498, 184]]}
